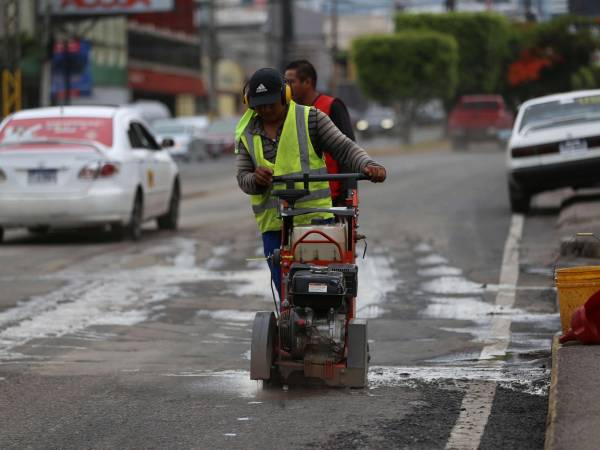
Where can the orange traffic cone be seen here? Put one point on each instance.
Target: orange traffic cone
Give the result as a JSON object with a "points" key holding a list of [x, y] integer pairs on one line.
{"points": [[585, 323]]}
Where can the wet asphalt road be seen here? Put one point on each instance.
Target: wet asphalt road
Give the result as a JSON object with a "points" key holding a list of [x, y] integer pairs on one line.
{"points": [[109, 344]]}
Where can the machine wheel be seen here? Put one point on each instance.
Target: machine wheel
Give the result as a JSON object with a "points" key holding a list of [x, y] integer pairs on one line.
{"points": [[519, 200], [1, 234], [262, 348], [133, 229], [169, 220]]}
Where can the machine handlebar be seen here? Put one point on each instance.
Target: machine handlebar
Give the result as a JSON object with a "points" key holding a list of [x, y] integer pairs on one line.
{"points": [[324, 177]]}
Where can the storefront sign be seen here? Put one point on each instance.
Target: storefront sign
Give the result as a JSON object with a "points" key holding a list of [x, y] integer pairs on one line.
{"points": [[98, 7]]}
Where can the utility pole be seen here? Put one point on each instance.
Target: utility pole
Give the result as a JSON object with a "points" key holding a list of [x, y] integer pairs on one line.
{"points": [[334, 46], [10, 34], [210, 50], [46, 32], [287, 32]]}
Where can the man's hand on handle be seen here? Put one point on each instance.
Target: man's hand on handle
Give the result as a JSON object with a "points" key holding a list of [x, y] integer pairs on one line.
{"points": [[263, 176], [377, 174]]}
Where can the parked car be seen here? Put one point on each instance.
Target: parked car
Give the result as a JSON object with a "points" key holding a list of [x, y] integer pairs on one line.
{"points": [[187, 134], [375, 121], [85, 165], [479, 118], [220, 136], [555, 143]]}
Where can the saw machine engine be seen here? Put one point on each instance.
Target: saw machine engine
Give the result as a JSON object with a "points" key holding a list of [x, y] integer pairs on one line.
{"points": [[313, 323]]}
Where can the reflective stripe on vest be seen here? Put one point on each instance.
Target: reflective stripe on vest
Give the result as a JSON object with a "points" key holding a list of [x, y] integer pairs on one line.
{"points": [[295, 156]]}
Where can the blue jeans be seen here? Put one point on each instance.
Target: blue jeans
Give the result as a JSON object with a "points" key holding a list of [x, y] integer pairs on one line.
{"points": [[272, 241]]}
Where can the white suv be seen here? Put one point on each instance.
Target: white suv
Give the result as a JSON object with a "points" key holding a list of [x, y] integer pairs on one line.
{"points": [[555, 143]]}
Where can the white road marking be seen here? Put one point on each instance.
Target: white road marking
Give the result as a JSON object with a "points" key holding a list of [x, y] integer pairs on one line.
{"points": [[382, 278], [477, 402]]}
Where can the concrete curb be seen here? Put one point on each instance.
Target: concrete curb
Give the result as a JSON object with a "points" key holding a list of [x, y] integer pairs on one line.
{"points": [[552, 395], [580, 213]]}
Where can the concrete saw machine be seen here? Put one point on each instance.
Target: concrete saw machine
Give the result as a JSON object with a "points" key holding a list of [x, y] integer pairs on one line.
{"points": [[314, 334]]}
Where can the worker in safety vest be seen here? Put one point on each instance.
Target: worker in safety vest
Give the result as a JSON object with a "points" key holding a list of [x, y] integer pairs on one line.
{"points": [[277, 136], [302, 77]]}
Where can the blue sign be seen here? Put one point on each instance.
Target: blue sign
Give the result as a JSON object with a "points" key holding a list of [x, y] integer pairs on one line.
{"points": [[71, 69]]}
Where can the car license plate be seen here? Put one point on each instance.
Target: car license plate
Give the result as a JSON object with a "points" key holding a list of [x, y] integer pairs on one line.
{"points": [[41, 176], [573, 146]]}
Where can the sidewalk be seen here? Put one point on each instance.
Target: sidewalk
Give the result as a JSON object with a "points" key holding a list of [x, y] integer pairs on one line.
{"points": [[574, 398]]}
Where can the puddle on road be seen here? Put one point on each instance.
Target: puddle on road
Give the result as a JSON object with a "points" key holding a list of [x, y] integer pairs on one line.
{"points": [[451, 296], [431, 260], [128, 297], [528, 380], [227, 315], [452, 285], [438, 271], [461, 308], [376, 279], [238, 383]]}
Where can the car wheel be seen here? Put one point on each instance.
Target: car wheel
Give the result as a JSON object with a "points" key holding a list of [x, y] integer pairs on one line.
{"points": [[169, 220], [519, 200], [1, 234], [133, 229]]}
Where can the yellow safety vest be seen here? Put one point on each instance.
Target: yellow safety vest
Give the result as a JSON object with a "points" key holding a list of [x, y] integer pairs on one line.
{"points": [[295, 156]]}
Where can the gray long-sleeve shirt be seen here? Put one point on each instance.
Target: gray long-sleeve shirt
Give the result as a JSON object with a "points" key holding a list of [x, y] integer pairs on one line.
{"points": [[324, 136]]}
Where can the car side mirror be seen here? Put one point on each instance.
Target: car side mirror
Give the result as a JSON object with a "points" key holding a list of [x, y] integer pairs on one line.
{"points": [[167, 142]]}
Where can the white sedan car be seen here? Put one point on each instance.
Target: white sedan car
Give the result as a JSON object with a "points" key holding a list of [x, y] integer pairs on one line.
{"points": [[84, 166], [555, 143]]}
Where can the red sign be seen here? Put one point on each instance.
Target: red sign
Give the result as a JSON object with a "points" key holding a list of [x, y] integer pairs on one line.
{"points": [[94, 7], [98, 129], [166, 83]]}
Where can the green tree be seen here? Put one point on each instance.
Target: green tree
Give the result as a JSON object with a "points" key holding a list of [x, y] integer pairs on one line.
{"points": [[485, 45], [405, 69]]}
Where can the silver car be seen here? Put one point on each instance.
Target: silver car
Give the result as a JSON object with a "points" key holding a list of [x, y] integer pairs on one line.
{"points": [[187, 135]]}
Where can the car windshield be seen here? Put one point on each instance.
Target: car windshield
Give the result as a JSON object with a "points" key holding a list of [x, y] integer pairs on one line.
{"points": [[547, 114], [98, 129]]}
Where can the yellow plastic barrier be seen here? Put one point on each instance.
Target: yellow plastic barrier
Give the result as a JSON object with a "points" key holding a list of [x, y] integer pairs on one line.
{"points": [[575, 285]]}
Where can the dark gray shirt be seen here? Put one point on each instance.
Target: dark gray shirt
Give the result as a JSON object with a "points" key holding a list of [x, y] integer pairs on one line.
{"points": [[324, 136]]}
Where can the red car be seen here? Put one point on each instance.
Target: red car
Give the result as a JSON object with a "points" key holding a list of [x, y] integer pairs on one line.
{"points": [[479, 118]]}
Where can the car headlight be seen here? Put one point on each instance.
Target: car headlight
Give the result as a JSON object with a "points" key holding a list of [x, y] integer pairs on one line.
{"points": [[387, 124], [362, 125]]}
